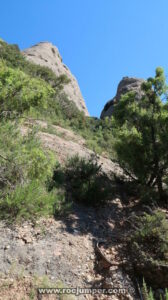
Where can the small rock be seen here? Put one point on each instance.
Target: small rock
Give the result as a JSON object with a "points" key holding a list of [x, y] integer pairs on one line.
{"points": [[88, 278], [7, 247], [27, 239]]}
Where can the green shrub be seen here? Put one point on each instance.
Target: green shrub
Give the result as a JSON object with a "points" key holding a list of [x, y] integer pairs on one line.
{"points": [[148, 248], [20, 93], [85, 180], [26, 170], [152, 235], [11, 54], [31, 201], [27, 202], [21, 157]]}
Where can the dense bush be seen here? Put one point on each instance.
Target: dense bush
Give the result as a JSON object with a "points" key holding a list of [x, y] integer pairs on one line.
{"points": [[85, 181], [148, 246], [22, 157], [153, 233], [31, 201], [19, 92], [27, 201], [11, 54], [25, 169]]}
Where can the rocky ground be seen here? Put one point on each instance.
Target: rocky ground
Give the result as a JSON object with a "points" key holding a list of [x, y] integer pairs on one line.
{"points": [[64, 252]]}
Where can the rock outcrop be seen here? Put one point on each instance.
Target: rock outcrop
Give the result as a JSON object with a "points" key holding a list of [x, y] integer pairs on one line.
{"points": [[46, 54], [126, 85]]}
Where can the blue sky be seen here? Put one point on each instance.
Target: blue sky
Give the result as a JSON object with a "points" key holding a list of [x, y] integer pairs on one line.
{"points": [[100, 40]]}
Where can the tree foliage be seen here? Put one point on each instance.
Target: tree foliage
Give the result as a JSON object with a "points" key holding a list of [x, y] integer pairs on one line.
{"points": [[140, 127], [19, 92]]}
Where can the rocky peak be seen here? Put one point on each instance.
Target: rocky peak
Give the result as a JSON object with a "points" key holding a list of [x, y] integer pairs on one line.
{"points": [[126, 85], [46, 54]]}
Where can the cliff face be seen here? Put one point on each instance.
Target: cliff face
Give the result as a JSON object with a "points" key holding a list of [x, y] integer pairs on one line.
{"points": [[46, 54], [126, 85]]}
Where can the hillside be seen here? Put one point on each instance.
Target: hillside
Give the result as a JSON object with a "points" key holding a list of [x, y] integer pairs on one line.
{"points": [[83, 201]]}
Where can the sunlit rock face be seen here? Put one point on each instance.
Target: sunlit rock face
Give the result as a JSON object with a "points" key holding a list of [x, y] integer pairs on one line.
{"points": [[126, 85], [46, 54]]}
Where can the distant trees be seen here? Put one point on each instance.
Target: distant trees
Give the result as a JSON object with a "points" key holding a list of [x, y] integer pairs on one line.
{"points": [[141, 132]]}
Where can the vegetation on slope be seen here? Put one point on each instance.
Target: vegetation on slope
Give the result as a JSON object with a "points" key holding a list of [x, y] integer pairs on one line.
{"points": [[55, 107], [136, 135], [31, 91], [24, 169]]}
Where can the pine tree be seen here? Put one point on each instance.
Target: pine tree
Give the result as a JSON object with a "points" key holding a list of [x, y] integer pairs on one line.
{"points": [[141, 127]]}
